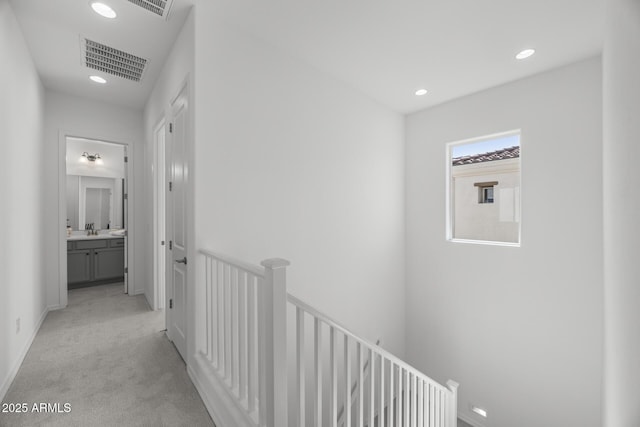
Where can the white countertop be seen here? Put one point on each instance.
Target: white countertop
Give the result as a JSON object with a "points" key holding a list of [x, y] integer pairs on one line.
{"points": [[92, 237]]}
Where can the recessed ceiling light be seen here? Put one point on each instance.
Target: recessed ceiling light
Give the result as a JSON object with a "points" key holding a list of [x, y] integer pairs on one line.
{"points": [[479, 411], [97, 79], [421, 92], [525, 53], [103, 10]]}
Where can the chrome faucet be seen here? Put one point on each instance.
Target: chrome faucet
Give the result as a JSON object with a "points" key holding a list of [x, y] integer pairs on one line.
{"points": [[90, 229]]}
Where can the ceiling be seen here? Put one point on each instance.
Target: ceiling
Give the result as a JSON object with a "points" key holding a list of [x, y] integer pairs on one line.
{"points": [[385, 48], [53, 30]]}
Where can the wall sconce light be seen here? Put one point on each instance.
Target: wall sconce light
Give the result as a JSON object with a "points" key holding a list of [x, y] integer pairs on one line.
{"points": [[86, 157]]}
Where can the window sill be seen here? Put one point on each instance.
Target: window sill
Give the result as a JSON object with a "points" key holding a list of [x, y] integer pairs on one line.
{"points": [[484, 242]]}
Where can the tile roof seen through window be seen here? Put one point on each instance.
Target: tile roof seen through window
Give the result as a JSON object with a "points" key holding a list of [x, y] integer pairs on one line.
{"points": [[502, 154]]}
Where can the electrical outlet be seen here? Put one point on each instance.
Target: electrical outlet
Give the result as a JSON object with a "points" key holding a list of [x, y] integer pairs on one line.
{"points": [[17, 325]]}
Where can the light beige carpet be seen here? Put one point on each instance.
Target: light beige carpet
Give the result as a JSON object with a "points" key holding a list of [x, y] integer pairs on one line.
{"points": [[106, 356]]}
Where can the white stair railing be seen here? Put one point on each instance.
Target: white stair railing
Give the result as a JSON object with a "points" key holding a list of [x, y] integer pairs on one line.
{"points": [[245, 335], [243, 357], [388, 391]]}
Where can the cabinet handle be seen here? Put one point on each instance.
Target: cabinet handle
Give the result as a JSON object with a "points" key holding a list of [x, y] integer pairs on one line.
{"points": [[87, 254]]}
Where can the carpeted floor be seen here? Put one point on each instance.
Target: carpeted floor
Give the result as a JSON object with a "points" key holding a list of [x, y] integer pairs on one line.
{"points": [[106, 356]]}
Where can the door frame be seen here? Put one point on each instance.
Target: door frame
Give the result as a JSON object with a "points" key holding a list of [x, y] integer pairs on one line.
{"points": [[159, 214], [63, 134]]}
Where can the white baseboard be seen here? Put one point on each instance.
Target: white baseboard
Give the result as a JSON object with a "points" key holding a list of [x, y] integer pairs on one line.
{"points": [[4, 387], [223, 409], [149, 303], [134, 293], [469, 421]]}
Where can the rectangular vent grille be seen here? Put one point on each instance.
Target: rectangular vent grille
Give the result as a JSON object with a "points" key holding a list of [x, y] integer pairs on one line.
{"points": [[113, 61], [159, 7]]}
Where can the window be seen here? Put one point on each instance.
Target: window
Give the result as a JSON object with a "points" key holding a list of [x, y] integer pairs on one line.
{"points": [[484, 189]]}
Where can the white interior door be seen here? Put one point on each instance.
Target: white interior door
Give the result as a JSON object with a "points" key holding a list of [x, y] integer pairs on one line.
{"points": [[176, 223]]}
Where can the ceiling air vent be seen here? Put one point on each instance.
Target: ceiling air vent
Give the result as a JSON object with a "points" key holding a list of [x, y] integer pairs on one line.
{"points": [[113, 61], [159, 7]]}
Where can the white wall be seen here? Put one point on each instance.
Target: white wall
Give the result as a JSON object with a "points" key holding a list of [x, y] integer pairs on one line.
{"points": [[291, 163], [177, 68], [525, 342], [112, 156], [21, 183], [621, 213], [79, 117]]}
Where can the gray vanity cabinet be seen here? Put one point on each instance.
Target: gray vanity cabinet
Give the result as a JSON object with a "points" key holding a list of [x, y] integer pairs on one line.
{"points": [[78, 266], [108, 263], [94, 261]]}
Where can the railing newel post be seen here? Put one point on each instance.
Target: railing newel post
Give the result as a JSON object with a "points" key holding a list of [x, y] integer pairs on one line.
{"points": [[453, 410], [274, 316]]}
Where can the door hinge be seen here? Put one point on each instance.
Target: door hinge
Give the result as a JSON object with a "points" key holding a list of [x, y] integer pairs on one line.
{"points": [[126, 196], [171, 303], [162, 243], [170, 127], [126, 159], [170, 186], [126, 270], [170, 245]]}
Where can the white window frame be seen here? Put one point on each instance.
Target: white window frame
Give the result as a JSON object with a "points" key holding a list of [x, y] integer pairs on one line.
{"points": [[448, 187]]}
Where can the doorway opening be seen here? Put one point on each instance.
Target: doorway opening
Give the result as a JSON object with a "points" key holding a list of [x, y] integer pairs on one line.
{"points": [[96, 208]]}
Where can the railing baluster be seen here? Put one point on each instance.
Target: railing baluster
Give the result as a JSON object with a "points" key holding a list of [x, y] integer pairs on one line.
{"points": [[207, 289], [252, 377], [242, 341], [214, 313], [407, 397], [360, 380], [399, 398], [347, 382], [262, 366], [432, 405], [414, 401], [372, 381], [382, 390], [391, 402], [233, 325], [221, 321], [300, 366], [438, 409], [420, 403], [333, 377], [227, 322], [317, 360]]}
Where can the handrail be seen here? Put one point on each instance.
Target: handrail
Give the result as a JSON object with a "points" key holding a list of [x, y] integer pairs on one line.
{"points": [[230, 260], [329, 321]]}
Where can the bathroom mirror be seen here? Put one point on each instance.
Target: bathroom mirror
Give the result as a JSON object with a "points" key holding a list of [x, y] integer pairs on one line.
{"points": [[94, 200], [98, 207]]}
